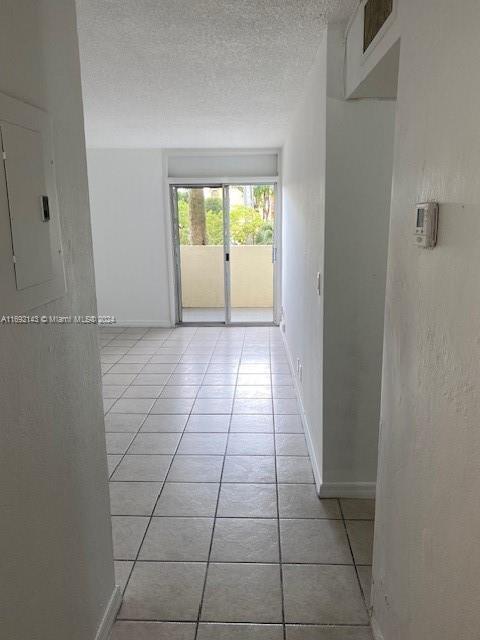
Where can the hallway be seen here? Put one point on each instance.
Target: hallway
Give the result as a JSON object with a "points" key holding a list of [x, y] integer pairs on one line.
{"points": [[218, 531]]}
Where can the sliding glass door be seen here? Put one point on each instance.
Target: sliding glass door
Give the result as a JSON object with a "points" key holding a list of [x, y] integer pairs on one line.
{"points": [[224, 246], [251, 236], [199, 255]]}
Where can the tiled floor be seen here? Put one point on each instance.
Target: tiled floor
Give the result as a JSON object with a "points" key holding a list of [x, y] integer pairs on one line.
{"points": [[218, 531]]}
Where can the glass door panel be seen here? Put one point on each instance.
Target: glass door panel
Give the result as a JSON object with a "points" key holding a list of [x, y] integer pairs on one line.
{"points": [[200, 253], [251, 246]]}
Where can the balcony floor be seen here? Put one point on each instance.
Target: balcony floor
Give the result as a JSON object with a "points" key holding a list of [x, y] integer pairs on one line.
{"points": [[216, 314]]}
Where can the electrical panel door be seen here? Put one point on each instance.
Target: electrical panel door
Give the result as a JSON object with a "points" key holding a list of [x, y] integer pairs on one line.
{"points": [[28, 205]]}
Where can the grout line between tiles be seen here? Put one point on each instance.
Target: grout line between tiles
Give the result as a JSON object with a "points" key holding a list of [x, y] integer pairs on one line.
{"points": [[282, 593], [154, 507], [353, 558], [200, 608]]}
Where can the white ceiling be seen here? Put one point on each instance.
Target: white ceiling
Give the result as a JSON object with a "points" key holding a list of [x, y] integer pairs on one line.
{"points": [[197, 73]]}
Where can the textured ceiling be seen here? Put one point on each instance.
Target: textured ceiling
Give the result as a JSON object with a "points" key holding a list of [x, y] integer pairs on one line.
{"points": [[197, 73]]}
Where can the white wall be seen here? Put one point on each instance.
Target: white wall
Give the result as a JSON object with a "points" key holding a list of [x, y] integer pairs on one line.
{"points": [[358, 188], [56, 562], [303, 178], [215, 163], [131, 222], [130, 234], [426, 557], [337, 183]]}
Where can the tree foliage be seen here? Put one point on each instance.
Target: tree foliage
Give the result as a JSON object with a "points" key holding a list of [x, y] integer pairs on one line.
{"points": [[196, 209], [248, 225], [245, 224]]}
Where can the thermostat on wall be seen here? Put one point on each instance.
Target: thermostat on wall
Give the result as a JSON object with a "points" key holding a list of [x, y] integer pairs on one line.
{"points": [[426, 224]]}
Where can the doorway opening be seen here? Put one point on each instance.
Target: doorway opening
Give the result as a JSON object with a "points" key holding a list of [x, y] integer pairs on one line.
{"points": [[225, 240]]}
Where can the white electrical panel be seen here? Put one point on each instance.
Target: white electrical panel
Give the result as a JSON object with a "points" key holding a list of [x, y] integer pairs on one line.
{"points": [[32, 271], [426, 224], [26, 186]]}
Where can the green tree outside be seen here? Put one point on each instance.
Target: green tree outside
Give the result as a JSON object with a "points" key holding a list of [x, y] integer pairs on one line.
{"points": [[248, 225]]}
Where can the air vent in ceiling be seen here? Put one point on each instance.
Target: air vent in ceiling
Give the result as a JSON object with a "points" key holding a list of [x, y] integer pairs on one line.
{"points": [[375, 16]]}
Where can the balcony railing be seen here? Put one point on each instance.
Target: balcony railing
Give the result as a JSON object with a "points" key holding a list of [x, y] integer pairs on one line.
{"points": [[251, 273]]}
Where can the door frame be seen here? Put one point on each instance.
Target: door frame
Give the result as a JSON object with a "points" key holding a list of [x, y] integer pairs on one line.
{"points": [[224, 184]]}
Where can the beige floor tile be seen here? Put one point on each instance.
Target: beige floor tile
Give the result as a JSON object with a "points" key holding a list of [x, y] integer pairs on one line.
{"points": [[250, 469], [127, 533], [126, 630], [302, 501], [177, 539], [247, 501], [360, 533], [322, 594], [203, 444], [216, 631], [148, 468], [207, 423], [294, 470], [365, 575], [245, 540], [299, 632], [288, 423], [188, 499], [118, 443], [118, 422], [312, 541], [133, 498], [290, 444], [242, 593], [173, 423], [164, 591], [252, 424], [123, 568], [188, 468], [155, 443], [250, 444], [358, 509], [112, 461]]}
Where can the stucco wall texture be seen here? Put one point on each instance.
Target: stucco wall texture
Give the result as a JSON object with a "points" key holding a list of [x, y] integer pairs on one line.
{"points": [[426, 557], [56, 565]]}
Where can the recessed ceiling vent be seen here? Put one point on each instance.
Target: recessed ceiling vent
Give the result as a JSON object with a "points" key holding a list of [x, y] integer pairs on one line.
{"points": [[375, 16]]}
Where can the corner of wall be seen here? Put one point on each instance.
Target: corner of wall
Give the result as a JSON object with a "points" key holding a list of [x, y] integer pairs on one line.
{"points": [[348, 490], [376, 631], [106, 624]]}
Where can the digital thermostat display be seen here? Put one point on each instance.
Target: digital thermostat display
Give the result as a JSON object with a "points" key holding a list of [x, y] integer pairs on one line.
{"points": [[420, 217], [426, 225]]}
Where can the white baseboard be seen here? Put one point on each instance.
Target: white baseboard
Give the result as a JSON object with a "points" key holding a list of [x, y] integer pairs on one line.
{"points": [[326, 489], [110, 614], [317, 474], [377, 634], [348, 490]]}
